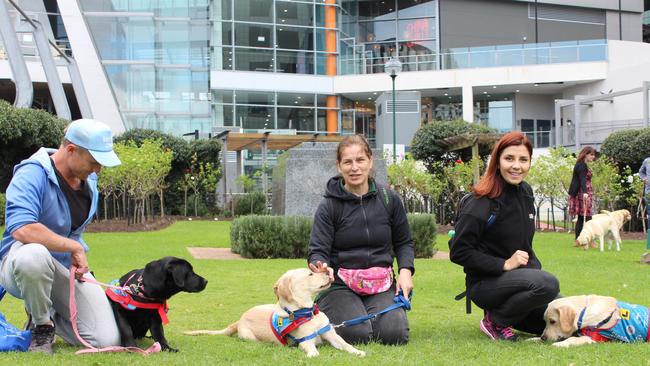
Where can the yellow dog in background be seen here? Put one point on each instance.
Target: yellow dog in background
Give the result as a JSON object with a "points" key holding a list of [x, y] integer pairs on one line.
{"points": [[295, 290], [602, 224]]}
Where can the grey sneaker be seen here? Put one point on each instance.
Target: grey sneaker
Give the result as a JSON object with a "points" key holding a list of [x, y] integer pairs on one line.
{"points": [[42, 339]]}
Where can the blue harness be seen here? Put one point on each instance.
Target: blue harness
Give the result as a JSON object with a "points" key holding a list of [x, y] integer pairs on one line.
{"points": [[400, 302], [633, 325], [282, 326]]}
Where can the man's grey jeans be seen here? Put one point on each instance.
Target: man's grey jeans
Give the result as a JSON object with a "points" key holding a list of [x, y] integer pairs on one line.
{"points": [[29, 272]]}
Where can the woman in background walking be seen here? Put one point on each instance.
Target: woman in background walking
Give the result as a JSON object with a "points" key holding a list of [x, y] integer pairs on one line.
{"points": [[580, 191]]}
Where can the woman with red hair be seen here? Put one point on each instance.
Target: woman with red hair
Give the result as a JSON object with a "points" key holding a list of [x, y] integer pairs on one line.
{"points": [[494, 244]]}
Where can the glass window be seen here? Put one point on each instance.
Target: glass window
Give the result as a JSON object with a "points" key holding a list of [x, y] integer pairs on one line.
{"points": [[424, 28], [321, 120], [123, 38], [222, 96], [376, 10], [301, 119], [172, 8], [296, 99], [247, 59], [255, 117], [173, 37], [253, 35], [300, 62], [173, 90], [222, 12], [134, 86], [221, 58], [254, 10], [200, 93], [251, 97], [222, 34], [199, 44], [295, 38], [294, 13], [416, 8], [500, 115], [418, 55], [376, 31], [222, 114]]}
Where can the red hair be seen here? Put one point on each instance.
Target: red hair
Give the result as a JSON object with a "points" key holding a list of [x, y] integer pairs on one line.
{"points": [[584, 152], [491, 183]]}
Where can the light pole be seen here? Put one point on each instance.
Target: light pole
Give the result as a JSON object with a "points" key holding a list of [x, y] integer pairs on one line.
{"points": [[393, 67]]}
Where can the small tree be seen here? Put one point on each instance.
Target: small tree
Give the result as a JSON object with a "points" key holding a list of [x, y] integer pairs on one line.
{"points": [[606, 183], [413, 182], [550, 175]]}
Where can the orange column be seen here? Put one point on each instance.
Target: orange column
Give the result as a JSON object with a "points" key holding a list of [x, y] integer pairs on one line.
{"points": [[330, 62]]}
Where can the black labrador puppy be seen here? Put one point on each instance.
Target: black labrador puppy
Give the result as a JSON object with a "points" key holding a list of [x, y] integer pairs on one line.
{"points": [[142, 306]]}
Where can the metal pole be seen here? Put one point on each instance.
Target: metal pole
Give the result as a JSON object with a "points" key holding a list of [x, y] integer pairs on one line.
{"points": [[393, 76]]}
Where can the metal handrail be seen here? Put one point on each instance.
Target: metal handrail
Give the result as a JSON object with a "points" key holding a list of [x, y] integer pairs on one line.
{"points": [[31, 22]]}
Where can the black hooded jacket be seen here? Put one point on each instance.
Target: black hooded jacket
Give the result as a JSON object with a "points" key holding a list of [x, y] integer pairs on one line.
{"points": [[365, 235], [482, 252]]}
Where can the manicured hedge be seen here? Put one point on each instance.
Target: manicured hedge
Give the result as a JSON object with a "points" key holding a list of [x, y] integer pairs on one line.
{"points": [[423, 232], [288, 236]]}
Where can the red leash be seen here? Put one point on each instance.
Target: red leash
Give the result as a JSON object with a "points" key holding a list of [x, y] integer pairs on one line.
{"points": [[90, 348]]}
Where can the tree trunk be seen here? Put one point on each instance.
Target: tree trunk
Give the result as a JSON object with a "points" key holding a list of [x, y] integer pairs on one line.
{"points": [[196, 203], [185, 206], [162, 207], [553, 213]]}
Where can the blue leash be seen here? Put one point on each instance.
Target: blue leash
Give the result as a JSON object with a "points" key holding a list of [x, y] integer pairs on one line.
{"points": [[400, 302]]}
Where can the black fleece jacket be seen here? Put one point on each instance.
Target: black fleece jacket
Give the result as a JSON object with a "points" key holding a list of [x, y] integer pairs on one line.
{"points": [[482, 252], [363, 236], [579, 179]]}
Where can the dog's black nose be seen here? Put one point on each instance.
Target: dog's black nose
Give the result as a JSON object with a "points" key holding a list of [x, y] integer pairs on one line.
{"points": [[544, 337]]}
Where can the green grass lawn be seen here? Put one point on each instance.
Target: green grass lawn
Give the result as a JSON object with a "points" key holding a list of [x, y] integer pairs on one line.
{"points": [[441, 332]]}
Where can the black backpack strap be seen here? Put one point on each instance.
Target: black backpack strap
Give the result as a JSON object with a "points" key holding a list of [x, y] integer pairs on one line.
{"points": [[336, 211], [383, 193]]}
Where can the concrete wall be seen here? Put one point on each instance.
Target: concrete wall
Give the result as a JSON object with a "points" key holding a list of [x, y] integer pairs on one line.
{"points": [[534, 106], [467, 23]]}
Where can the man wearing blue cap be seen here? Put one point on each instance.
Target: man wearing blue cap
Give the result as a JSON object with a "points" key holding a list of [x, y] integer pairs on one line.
{"points": [[50, 200]]}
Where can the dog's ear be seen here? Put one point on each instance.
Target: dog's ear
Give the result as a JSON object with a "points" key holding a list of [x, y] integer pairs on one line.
{"points": [[178, 271], [567, 317], [282, 289]]}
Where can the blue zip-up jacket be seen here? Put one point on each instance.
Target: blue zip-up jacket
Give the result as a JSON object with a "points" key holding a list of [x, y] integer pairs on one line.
{"points": [[34, 196]]}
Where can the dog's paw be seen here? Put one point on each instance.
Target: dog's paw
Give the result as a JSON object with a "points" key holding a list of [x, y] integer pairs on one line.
{"points": [[561, 344], [359, 353], [313, 353], [535, 339]]}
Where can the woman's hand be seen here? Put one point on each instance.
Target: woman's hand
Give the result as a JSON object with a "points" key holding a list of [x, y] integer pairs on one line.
{"points": [[518, 259], [404, 282], [322, 267], [585, 196]]}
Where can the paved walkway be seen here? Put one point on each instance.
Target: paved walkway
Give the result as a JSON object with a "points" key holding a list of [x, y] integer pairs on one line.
{"points": [[213, 253]]}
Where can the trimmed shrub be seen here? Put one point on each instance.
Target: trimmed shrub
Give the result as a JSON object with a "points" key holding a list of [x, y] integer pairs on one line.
{"points": [[22, 132], [627, 147], [271, 236], [253, 203], [423, 232]]}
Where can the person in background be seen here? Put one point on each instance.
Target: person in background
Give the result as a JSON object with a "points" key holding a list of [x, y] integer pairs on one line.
{"points": [[580, 190]]}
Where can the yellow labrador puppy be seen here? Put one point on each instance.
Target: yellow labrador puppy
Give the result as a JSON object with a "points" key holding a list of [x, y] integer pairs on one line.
{"points": [[602, 224], [295, 291], [578, 320]]}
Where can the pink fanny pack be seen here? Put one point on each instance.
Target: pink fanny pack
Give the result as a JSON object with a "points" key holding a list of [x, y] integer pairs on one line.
{"points": [[369, 281]]}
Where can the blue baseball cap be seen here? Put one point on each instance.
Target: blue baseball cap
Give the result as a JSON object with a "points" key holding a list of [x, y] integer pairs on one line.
{"points": [[96, 137]]}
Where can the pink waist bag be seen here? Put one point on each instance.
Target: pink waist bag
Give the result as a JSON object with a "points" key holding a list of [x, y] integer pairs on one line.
{"points": [[369, 281]]}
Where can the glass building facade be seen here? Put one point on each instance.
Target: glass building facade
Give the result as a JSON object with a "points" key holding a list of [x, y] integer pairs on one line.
{"points": [[156, 57]]}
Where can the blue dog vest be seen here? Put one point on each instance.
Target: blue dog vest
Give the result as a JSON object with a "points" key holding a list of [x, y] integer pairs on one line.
{"points": [[633, 325]]}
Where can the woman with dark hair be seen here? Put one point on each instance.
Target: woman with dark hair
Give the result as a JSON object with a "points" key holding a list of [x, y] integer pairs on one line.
{"points": [[494, 244], [359, 228], [580, 191]]}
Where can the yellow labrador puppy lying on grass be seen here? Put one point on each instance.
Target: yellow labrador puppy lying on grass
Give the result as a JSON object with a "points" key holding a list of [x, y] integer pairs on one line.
{"points": [[600, 225], [294, 317], [578, 320]]}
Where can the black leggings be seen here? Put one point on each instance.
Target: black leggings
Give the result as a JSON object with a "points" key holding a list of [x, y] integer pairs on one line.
{"points": [[517, 298], [580, 223]]}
